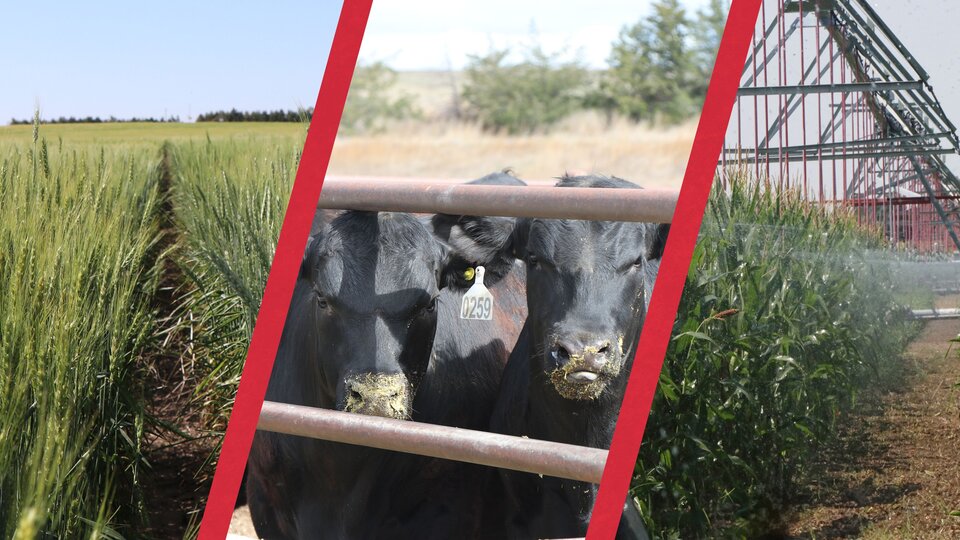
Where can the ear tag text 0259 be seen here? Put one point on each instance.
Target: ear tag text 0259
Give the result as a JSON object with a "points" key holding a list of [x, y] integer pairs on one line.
{"points": [[477, 303]]}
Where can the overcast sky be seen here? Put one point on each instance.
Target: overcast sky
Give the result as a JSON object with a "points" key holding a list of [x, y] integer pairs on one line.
{"points": [[928, 28]]}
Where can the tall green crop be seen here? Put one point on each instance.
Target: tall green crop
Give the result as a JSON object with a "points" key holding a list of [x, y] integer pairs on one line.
{"points": [[229, 198], [78, 231], [783, 320]]}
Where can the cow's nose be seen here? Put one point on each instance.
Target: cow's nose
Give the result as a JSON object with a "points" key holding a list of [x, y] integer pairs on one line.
{"points": [[359, 391], [377, 395], [591, 354]]}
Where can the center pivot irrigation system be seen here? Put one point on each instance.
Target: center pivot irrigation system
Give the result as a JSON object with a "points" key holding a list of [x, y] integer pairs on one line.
{"points": [[439, 196], [832, 104]]}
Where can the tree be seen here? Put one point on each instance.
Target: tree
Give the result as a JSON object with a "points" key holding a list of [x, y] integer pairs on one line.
{"points": [[525, 96], [371, 102], [707, 30], [653, 70]]}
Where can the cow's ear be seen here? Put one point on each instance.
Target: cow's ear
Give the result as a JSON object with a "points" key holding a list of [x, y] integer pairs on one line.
{"points": [[518, 238], [309, 257], [476, 241], [443, 268], [480, 240], [319, 231], [657, 241]]}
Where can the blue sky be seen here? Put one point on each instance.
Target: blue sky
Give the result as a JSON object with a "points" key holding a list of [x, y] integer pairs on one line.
{"points": [[175, 58], [186, 58]]}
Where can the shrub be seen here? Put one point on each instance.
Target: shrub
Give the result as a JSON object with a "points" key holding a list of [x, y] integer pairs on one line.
{"points": [[522, 97], [370, 105]]}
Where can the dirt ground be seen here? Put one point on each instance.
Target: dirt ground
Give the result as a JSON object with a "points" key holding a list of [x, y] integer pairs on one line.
{"points": [[895, 472], [241, 525]]}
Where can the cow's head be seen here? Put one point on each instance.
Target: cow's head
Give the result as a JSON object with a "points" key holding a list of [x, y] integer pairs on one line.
{"points": [[588, 285], [374, 284]]}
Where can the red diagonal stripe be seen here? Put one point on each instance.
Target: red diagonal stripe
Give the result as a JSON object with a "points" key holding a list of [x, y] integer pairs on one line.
{"points": [[655, 335], [283, 272]]}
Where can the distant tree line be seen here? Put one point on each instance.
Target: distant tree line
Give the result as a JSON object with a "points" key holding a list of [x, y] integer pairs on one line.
{"points": [[94, 120], [658, 71], [234, 115]]}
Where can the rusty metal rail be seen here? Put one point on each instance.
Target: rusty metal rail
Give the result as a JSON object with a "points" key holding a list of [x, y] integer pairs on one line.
{"points": [[479, 447], [340, 178], [536, 201], [941, 313]]}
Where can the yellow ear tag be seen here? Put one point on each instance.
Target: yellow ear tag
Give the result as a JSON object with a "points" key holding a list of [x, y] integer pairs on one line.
{"points": [[477, 303], [468, 274]]}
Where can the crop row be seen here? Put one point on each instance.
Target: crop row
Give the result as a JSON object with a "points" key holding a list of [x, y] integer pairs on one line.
{"points": [[785, 318], [86, 249]]}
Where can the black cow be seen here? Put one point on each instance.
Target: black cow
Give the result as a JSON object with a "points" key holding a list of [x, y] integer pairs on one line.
{"points": [[440, 498], [357, 338], [469, 355], [588, 286]]}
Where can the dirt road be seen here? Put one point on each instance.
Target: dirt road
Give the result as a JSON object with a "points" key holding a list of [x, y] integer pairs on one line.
{"points": [[896, 470]]}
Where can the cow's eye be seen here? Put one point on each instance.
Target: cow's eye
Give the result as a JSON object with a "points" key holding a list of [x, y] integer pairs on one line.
{"points": [[432, 306], [532, 260], [322, 301]]}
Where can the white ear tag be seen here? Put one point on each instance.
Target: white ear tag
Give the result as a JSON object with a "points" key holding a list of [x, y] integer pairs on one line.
{"points": [[477, 303]]}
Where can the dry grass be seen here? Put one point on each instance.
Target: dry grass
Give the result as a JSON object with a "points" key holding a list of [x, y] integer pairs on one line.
{"points": [[652, 157]]}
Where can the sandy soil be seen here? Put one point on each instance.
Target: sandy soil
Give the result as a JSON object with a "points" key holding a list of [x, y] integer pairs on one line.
{"points": [[947, 301], [241, 525], [895, 472]]}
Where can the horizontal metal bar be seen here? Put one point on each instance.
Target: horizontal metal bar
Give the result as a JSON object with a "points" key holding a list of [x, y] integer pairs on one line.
{"points": [[879, 86], [479, 447], [948, 313], [898, 201], [747, 156], [339, 178], [875, 143], [599, 204], [829, 149]]}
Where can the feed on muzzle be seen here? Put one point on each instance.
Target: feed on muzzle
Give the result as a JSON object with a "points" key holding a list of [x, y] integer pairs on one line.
{"points": [[581, 377], [378, 394]]}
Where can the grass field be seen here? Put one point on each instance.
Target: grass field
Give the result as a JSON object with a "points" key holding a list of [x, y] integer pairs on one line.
{"points": [[151, 135], [582, 144], [435, 146]]}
